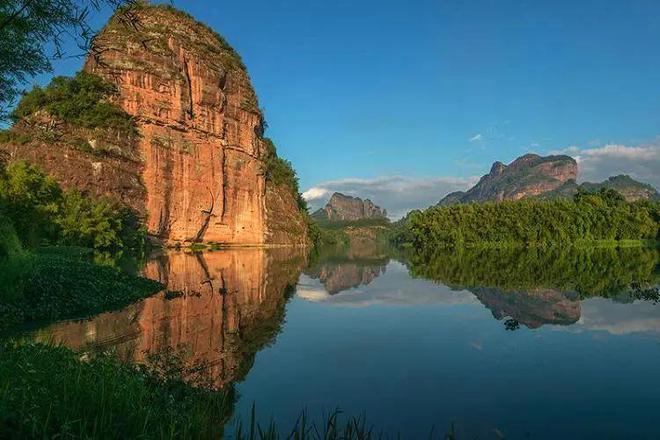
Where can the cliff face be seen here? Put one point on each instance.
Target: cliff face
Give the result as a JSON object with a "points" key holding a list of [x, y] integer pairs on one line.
{"points": [[527, 176], [201, 128], [196, 171], [342, 207], [544, 177]]}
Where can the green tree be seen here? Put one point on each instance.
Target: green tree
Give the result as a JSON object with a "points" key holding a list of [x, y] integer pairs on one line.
{"points": [[31, 35]]}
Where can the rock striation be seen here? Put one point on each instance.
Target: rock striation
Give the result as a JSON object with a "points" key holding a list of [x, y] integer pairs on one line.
{"points": [[341, 207], [197, 173], [527, 176]]}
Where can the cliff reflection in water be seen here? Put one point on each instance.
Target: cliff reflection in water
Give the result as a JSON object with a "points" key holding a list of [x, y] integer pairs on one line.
{"points": [[219, 309], [540, 286]]}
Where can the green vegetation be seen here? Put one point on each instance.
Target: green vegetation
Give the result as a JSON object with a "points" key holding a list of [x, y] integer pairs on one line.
{"points": [[321, 236], [590, 271], [30, 34], [10, 136], [279, 171], [361, 223], [103, 398], [589, 218], [81, 101], [44, 214], [43, 286], [62, 282]]}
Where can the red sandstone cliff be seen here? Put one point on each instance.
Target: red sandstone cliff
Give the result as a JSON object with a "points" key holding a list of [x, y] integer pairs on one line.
{"points": [[195, 173], [201, 128]]}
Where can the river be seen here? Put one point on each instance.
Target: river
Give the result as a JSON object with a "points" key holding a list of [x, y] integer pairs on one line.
{"points": [[540, 344]]}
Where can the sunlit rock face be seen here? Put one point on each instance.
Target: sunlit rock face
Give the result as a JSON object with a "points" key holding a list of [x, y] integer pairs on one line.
{"points": [[532, 308], [219, 309], [341, 207], [200, 127], [527, 176]]}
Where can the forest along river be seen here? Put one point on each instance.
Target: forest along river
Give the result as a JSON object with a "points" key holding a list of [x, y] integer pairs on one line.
{"points": [[522, 344]]}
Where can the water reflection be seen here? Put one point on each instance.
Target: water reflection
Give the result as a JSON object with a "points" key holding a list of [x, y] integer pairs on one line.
{"points": [[219, 309], [372, 329], [520, 287]]}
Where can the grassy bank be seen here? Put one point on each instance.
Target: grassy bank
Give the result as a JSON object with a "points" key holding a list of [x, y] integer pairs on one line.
{"points": [[44, 286], [101, 398]]}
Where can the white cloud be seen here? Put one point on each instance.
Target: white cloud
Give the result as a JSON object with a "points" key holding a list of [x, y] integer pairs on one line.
{"points": [[476, 138], [596, 164], [602, 314], [314, 193], [397, 194]]}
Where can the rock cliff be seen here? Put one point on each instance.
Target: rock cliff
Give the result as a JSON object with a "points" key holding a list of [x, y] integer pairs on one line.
{"points": [[341, 207], [527, 176], [543, 177], [197, 172]]}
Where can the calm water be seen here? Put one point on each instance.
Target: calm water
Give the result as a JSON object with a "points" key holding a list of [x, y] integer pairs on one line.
{"points": [[502, 344]]}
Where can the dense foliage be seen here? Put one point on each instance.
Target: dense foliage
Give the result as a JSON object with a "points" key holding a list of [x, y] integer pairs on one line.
{"points": [[30, 34], [279, 171], [42, 213], [102, 398], [602, 216], [81, 100]]}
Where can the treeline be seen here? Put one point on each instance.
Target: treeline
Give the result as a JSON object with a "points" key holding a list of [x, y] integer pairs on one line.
{"points": [[589, 217]]}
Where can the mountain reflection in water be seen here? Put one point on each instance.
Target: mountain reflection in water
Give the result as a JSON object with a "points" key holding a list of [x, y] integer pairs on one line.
{"points": [[218, 310], [377, 330]]}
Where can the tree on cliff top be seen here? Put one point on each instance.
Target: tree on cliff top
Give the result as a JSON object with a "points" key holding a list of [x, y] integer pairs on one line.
{"points": [[31, 34]]}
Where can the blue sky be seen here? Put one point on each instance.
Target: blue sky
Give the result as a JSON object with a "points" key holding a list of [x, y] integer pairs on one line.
{"points": [[379, 92]]}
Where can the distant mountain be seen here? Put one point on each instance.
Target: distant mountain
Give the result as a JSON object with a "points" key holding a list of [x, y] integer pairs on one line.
{"points": [[628, 187], [527, 176], [543, 177], [341, 207]]}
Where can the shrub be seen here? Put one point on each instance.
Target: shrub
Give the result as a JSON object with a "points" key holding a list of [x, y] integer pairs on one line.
{"points": [[279, 171], [43, 214], [101, 398], [82, 100]]}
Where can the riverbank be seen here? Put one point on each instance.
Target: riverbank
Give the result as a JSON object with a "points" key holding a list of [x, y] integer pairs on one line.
{"points": [[58, 283]]}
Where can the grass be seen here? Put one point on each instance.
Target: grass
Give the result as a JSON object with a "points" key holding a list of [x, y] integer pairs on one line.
{"points": [[49, 392], [57, 285]]}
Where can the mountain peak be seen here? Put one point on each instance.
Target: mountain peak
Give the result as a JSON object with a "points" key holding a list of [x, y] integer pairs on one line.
{"points": [[343, 207], [528, 175]]}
